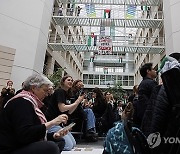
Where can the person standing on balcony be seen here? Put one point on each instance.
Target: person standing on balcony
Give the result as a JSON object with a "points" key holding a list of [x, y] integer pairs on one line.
{"points": [[78, 10], [60, 11], [148, 12], [71, 10]]}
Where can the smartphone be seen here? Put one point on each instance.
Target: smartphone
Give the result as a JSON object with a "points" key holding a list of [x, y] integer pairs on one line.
{"points": [[81, 92], [68, 127]]}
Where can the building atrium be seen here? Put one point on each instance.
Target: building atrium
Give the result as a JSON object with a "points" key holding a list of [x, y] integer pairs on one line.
{"points": [[111, 38], [103, 43]]}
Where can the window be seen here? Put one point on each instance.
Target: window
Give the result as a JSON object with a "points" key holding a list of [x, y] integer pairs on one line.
{"points": [[110, 70], [85, 76], [125, 83], [131, 83], [90, 82], [108, 77], [119, 77], [119, 69], [125, 77], [131, 77], [90, 76], [96, 76], [102, 77], [96, 82], [98, 69]]}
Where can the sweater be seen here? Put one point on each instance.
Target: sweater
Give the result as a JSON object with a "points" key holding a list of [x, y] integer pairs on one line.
{"points": [[19, 126]]}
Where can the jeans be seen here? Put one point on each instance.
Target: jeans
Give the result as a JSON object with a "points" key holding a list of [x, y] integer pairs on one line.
{"points": [[90, 118], [69, 139]]}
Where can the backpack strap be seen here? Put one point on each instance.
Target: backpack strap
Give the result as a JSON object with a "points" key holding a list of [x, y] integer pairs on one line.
{"points": [[128, 130], [136, 138]]}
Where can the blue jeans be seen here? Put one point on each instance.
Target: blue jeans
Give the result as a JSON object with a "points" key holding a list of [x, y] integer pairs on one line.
{"points": [[90, 118], [69, 139]]}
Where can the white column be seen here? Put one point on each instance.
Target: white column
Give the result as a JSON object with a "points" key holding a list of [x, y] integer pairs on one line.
{"points": [[24, 27], [172, 25]]}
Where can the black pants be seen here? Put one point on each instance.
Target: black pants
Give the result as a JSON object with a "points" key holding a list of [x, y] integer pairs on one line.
{"points": [[41, 147]]}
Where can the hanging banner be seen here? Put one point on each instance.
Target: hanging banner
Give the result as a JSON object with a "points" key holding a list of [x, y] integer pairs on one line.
{"points": [[131, 11], [90, 10], [105, 45]]}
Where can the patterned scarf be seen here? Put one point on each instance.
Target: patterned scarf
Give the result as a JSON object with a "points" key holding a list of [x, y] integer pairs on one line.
{"points": [[37, 104]]}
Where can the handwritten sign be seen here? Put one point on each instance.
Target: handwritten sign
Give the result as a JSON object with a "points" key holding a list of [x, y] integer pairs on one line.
{"points": [[105, 45]]}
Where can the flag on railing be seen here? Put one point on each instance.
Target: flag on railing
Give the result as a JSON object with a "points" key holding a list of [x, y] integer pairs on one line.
{"points": [[131, 10], [92, 40], [105, 70], [144, 8], [90, 10], [107, 13], [144, 5], [92, 59], [120, 59]]}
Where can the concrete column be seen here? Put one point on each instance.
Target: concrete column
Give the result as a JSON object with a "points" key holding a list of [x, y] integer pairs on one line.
{"points": [[25, 27], [50, 65], [172, 25]]}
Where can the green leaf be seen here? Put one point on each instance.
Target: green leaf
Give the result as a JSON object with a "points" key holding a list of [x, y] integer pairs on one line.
{"points": [[55, 78]]}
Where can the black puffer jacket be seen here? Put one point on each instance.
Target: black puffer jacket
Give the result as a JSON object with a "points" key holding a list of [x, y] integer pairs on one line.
{"points": [[166, 117], [161, 112], [144, 92], [147, 119]]}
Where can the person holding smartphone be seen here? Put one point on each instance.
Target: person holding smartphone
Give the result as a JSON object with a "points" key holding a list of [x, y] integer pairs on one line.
{"points": [[60, 104], [23, 125]]}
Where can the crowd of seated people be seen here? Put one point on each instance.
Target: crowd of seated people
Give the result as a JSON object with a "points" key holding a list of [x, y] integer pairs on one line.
{"points": [[96, 112], [68, 100]]}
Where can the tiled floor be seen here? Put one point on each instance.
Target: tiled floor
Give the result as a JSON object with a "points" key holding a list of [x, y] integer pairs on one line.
{"points": [[84, 147]]}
